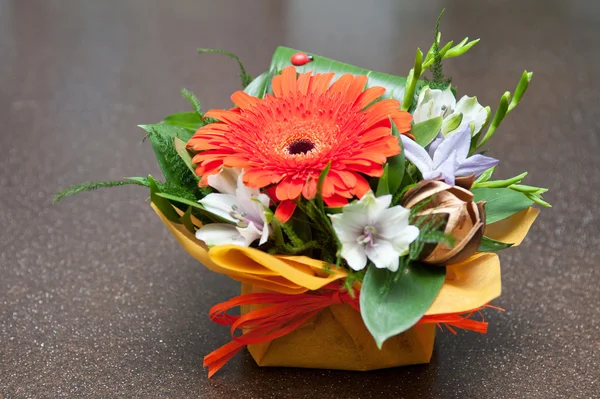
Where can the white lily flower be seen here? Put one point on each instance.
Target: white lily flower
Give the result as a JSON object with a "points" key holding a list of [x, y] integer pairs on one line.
{"points": [[243, 206], [434, 102], [369, 228]]}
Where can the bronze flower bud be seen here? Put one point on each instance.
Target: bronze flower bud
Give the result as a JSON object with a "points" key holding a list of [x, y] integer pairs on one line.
{"points": [[460, 217]]}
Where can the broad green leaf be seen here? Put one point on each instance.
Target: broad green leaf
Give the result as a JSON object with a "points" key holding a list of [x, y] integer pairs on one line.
{"points": [[501, 202], [259, 86], [396, 165], [161, 203], [174, 169], [426, 131], [391, 303], [394, 85], [383, 187], [190, 121], [491, 245], [185, 156]]}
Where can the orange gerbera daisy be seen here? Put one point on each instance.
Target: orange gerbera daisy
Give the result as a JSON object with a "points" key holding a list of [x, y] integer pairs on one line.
{"points": [[288, 138]]}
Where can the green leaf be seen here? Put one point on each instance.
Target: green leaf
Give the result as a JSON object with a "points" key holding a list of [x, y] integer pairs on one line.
{"points": [[501, 202], [163, 205], [426, 131], [320, 183], [491, 245], [174, 169], [391, 303], [383, 187], [192, 204], [396, 164], [190, 121], [394, 85], [186, 219], [259, 86]]}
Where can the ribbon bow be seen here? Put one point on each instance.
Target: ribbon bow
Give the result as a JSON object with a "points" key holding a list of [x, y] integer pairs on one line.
{"points": [[286, 312]]}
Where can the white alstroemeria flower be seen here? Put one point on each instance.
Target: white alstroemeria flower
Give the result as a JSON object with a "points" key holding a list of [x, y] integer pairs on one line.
{"points": [[369, 228], [434, 102], [474, 115], [239, 204]]}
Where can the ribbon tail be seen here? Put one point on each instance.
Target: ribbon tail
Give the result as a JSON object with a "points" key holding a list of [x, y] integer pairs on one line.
{"points": [[217, 359]]}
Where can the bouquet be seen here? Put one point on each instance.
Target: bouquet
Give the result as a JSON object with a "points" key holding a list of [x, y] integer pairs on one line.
{"points": [[356, 208]]}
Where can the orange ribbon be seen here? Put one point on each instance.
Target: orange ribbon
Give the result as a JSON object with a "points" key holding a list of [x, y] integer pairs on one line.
{"points": [[287, 312]]}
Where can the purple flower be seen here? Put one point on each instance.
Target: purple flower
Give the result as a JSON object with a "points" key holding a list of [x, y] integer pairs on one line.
{"points": [[447, 157]]}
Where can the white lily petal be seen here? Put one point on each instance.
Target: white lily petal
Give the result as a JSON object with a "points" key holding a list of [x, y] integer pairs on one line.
{"points": [[472, 112], [250, 233], [220, 205], [225, 181], [401, 242], [383, 255], [348, 226], [354, 255], [393, 221], [221, 234], [433, 103]]}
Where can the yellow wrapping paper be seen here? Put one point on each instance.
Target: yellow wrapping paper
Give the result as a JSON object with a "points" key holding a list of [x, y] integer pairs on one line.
{"points": [[336, 338]]}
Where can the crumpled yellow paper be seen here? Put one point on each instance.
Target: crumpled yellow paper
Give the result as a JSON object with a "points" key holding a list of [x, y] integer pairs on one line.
{"points": [[337, 338]]}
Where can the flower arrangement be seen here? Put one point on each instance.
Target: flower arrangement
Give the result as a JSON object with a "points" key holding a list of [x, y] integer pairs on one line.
{"points": [[355, 207]]}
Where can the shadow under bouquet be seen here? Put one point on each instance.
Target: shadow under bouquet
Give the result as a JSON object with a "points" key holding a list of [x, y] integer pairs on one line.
{"points": [[355, 207]]}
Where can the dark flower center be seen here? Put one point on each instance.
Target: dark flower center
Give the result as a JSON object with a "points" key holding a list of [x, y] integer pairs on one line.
{"points": [[301, 146]]}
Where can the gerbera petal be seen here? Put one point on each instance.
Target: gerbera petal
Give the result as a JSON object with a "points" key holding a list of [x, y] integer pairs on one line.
{"points": [[303, 82], [288, 80], [259, 178], [362, 186], [368, 96], [319, 83], [243, 99], [335, 201], [285, 210], [309, 191], [355, 89], [342, 84]]}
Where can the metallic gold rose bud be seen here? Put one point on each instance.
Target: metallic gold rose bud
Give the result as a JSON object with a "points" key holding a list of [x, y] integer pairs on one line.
{"points": [[453, 208]]}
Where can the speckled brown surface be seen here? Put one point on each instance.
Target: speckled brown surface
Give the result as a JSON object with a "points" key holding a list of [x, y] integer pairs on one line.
{"points": [[98, 301]]}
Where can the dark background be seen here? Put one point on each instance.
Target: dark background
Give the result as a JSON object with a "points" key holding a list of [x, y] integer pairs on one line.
{"points": [[96, 298]]}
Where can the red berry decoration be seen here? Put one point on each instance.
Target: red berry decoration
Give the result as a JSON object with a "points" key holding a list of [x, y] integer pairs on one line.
{"points": [[300, 59]]}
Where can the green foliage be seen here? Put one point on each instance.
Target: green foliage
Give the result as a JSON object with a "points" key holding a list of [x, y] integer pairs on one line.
{"points": [[174, 169], [90, 186], [191, 97], [396, 165], [426, 131], [491, 245], [437, 70], [189, 121], [498, 183], [244, 76], [393, 302], [501, 203], [259, 86], [383, 187], [163, 205]]}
